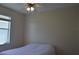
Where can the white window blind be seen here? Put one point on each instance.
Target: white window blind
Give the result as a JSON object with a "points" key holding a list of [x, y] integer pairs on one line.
{"points": [[5, 23]]}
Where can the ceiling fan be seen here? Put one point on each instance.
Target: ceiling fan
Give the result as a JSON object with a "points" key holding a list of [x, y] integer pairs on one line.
{"points": [[31, 6]]}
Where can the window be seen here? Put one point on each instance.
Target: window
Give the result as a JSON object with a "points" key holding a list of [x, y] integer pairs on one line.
{"points": [[5, 23]]}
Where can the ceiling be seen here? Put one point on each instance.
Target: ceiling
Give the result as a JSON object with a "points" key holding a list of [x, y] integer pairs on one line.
{"points": [[19, 7]]}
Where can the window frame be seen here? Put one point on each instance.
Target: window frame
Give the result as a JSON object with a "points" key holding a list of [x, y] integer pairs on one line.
{"points": [[9, 30]]}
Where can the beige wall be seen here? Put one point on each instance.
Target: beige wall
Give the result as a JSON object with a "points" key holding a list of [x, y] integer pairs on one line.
{"points": [[58, 27], [17, 28]]}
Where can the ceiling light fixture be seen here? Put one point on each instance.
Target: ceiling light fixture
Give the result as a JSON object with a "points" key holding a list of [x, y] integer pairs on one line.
{"points": [[30, 7]]}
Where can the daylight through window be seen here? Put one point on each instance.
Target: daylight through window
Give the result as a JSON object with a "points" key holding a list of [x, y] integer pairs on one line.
{"points": [[5, 23]]}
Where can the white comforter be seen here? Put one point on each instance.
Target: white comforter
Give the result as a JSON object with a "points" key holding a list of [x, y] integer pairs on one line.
{"points": [[31, 49]]}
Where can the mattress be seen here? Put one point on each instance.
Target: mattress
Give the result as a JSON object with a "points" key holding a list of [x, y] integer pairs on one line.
{"points": [[31, 49]]}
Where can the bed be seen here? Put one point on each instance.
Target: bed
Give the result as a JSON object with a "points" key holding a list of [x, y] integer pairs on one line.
{"points": [[31, 49]]}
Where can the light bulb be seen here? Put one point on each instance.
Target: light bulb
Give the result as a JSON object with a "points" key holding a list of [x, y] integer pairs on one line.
{"points": [[32, 8], [28, 8]]}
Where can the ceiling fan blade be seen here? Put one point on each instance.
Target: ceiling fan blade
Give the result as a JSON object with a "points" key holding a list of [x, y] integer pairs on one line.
{"points": [[37, 5]]}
